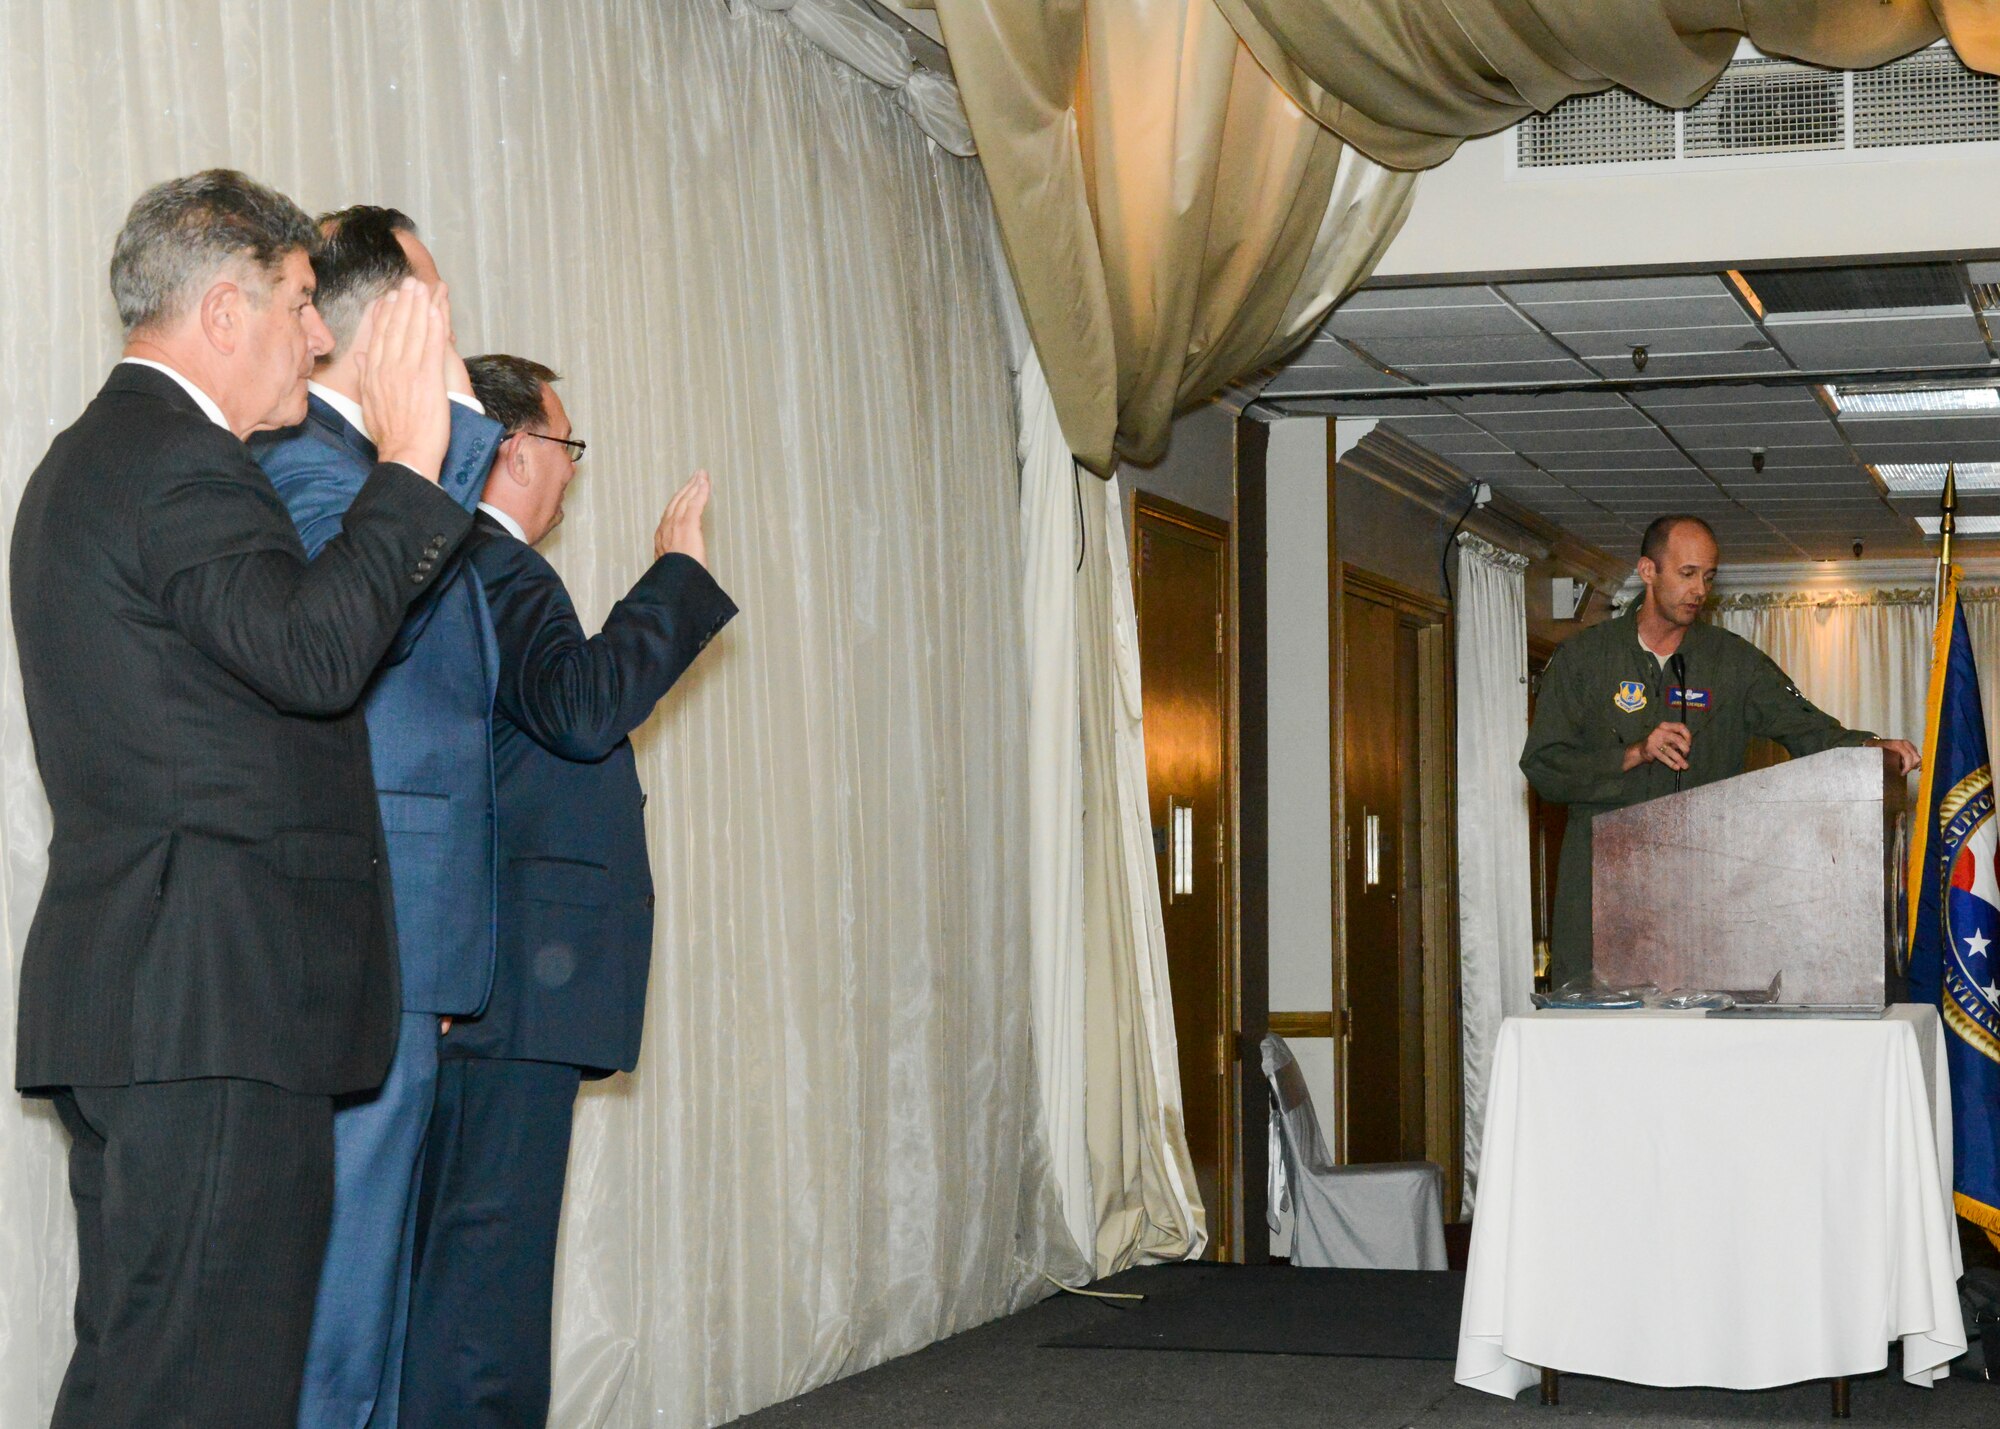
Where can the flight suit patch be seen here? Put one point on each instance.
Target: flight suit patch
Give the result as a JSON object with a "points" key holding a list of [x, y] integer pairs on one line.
{"points": [[1631, 696], [1691, 699]]}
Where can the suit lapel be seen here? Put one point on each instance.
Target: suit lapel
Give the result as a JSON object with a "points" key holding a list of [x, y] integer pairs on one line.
{"points": [[320, 413]]}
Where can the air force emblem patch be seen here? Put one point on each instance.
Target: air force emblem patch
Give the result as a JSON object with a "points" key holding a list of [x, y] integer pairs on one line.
{"points": [[1631, 696]]}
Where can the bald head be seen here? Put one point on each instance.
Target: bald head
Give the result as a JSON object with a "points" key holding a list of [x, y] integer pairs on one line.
{"points": [[1677, 564]]}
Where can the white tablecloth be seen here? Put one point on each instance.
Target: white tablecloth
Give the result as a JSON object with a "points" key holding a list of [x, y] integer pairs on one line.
{"points": [[1669, 1199]]}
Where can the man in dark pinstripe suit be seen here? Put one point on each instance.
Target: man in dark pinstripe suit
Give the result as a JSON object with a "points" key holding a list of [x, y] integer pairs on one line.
{"points": [[210, 962]]}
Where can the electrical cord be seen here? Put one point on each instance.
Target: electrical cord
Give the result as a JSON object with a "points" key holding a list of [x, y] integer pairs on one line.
{"points": [[1444, 556], [1082, 531], [1093, 1294]]}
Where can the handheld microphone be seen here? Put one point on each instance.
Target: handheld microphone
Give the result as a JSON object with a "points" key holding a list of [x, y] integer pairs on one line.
{"points": [[1678, 670]]}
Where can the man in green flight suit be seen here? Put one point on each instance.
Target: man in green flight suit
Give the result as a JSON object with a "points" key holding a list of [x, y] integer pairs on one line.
{"points": [[1612, 728]]}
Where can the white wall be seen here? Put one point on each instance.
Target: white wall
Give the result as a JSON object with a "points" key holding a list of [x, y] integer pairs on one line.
{"points": [[1300, 733], [1471, 216], [1199, 469]]}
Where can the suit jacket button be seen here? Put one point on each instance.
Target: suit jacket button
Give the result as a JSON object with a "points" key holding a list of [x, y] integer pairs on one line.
{"points": [[424, 564], [416, 577]]}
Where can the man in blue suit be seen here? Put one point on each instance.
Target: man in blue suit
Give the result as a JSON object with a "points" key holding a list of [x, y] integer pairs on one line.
{"points": [[427, 710], [575, 914]]}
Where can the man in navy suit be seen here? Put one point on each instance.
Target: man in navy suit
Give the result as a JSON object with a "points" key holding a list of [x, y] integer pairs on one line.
{"points": [[575, 913], [429, 740]]}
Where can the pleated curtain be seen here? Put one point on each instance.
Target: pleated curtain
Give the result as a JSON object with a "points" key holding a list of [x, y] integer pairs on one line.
{"points": [[1495, 921], [745, 256], [1864, 655]]}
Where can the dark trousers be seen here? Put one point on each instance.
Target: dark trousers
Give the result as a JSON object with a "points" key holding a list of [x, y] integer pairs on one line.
{"points": [[201, 1218], [481, 1296]]}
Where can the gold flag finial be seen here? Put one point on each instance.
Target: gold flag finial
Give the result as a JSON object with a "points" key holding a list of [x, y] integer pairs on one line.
{"points": [[1948, 522]]}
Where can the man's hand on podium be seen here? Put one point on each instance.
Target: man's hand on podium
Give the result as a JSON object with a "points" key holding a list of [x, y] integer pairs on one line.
{"points": [[1667, 744], [1907, 757]]}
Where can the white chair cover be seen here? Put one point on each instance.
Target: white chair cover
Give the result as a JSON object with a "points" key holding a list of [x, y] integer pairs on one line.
{"points": [[1383, 1217]]}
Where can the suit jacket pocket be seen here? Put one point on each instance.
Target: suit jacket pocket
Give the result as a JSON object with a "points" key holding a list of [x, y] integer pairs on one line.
{"points": [[408, 813], [557, 926], [562, 880]]}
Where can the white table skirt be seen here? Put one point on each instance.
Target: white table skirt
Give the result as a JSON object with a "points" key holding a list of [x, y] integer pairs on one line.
{"points": [[1669, 1199]]}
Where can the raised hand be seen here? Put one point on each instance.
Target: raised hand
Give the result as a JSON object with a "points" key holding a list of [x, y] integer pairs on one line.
{"points": [[401, 349], [456, 378], [680, 528]]}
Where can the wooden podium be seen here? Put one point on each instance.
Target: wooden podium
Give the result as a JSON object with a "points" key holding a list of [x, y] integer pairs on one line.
{"points": [[1792, 869]]}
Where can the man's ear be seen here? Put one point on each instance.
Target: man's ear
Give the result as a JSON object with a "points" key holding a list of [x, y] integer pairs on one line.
{"points": [[517, 460], [1648, 570], [222, 314]]}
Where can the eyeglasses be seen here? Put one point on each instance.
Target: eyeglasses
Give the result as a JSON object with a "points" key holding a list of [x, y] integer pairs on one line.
{"points": [[576, 446]]}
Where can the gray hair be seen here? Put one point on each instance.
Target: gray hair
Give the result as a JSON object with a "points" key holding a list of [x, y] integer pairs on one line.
{"points": [[510, 389], [181, 233], [358, 260]]}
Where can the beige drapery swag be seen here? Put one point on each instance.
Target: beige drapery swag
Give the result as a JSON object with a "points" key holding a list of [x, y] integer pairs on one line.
{"points": [[1186, 186]]}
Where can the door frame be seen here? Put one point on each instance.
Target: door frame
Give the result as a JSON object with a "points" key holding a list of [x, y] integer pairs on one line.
{"points": [[1226, 1222], [1437, 854]]}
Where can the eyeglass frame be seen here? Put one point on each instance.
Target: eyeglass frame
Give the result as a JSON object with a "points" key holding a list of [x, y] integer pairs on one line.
{"points": [[579, 445]]}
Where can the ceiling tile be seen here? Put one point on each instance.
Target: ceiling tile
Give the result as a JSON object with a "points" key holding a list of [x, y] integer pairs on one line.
{"points": [[1588, 290], [1714, 364], [1903, 338], [1559, 369], [1425, 313], [1409, 353]]}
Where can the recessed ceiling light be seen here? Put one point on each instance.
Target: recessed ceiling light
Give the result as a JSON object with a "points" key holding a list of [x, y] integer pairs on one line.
{"points": [[1904, 477], [1863, 401], [1964, 526]]}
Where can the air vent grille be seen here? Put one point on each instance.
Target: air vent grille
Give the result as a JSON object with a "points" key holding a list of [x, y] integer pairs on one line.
{"points": [[1874, 288], [1768, 106], [1614, 126], [1929, 98]]}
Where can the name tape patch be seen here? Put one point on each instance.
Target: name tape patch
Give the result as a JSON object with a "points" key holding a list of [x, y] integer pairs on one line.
{"points": [[1696, 699]]}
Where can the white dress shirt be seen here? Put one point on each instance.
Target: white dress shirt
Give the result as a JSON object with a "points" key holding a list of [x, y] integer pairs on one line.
{"points": [[513, 526], [350, 409], [209, 407]]}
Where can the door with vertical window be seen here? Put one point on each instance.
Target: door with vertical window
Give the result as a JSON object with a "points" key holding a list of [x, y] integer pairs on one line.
{"points": [[1181, 560]]}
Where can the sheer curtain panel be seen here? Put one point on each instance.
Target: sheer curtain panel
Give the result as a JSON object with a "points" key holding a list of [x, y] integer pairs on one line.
{"points": [[743, 256], [1104, 1016], [1495, 923]]}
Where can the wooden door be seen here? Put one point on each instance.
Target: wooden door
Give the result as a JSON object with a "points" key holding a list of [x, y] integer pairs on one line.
{"points": [[1384, 1054], [1546, 824], [1181, 590]]}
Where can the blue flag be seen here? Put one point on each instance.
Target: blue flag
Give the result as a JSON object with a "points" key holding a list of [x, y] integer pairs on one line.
{"points": [[1954, 892]]}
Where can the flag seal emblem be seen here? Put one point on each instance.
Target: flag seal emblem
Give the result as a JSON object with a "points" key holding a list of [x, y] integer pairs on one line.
{"points": [[1971, 908]]}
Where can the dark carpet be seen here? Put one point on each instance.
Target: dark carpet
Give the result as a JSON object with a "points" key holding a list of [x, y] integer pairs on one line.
{"points": [[1277, 1310], [1000, 1376]]}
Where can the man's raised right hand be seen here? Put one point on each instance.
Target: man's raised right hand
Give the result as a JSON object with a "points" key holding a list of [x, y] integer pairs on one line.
{"points": [[402, 348]]}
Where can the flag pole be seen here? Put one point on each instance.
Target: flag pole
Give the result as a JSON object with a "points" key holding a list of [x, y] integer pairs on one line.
{"points": [[1948, 510]]}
